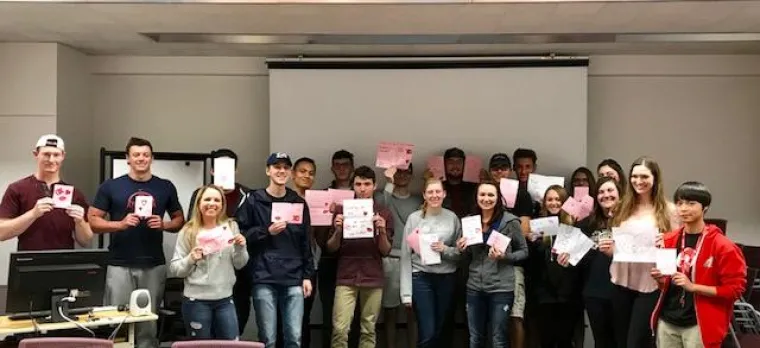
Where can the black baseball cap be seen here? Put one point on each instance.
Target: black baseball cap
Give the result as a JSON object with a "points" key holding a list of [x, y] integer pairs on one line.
{"points": [[453, 152], [276, 157], [499, 160]]}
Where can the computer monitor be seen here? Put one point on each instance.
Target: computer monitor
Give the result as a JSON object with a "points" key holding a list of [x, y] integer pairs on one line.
{"points": [[36, 277]]}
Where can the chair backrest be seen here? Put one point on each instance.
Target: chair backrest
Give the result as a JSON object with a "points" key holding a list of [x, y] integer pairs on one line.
{"points": [[751, 255], [65, 342], [217, 344], [721, 223]]}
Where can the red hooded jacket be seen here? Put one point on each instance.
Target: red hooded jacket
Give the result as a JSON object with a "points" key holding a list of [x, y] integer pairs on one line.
{"points": [[720, 263]]}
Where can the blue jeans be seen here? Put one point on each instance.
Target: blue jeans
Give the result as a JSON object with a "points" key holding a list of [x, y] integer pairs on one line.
{"points": [[271, 299], [210, 319], [431, 298], [488, 315]]}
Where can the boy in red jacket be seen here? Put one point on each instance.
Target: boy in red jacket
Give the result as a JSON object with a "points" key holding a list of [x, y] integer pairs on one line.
{"points": [[696, 302]]}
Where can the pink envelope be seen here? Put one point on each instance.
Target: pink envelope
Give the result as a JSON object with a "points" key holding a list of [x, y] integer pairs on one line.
{"points": [[215, 240], [472, 168], [509, 191], [580, 192], [436, 166], [319, 207], [572, 207], [413, 239], [498, 241]]}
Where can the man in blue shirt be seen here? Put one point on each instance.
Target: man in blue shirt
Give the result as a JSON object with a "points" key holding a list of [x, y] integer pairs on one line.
{"points": [[136, 203]]}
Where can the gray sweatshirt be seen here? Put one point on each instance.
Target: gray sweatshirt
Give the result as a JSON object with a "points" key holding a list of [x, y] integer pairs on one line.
{"points": [[213, 276], [448, 228], [401, 208], [488, 275]]}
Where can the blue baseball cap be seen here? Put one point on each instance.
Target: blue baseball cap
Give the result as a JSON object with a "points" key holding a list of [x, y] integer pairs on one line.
{"points": [[276, 157]]}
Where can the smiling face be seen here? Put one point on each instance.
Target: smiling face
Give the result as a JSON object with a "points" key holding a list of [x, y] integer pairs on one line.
{"points": [[303, 175], [689, 211], [607, 195], [279, 173], [454, 167], [487, 196], [49, 159], [140, 158], [524, 167], [211, 203], [642, 180], [434, 194], [553, 202]]}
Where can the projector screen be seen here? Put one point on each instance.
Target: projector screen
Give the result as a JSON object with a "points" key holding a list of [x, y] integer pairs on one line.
{"points": [[314, 112]]}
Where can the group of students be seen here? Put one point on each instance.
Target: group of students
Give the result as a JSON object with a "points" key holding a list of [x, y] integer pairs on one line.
{"points": [[526, 296]]}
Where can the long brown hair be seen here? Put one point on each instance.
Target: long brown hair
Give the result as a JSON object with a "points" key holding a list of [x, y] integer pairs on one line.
{"points": [[429, 181], [600, 219], [564, 217], [630, 200], [195, 224]]}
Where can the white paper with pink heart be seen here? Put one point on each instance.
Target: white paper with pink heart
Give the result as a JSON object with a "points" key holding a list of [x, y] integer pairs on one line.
{"points": [[499, 241], [62, 196], [215, 240], [357, 219], [144, 206]]}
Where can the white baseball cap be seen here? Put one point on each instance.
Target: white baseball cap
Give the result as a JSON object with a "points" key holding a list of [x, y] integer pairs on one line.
{"points": [[51, 140]]}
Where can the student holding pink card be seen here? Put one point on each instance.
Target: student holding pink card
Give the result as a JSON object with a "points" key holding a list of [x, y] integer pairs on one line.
{"points": [[209, 278], [428, 288], [281, 256], [582, 177], [491, 281], [27, 210], [553, 290]]}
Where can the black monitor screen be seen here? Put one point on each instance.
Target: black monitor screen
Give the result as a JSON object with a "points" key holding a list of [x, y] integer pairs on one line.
{"points": [[34, 274]]}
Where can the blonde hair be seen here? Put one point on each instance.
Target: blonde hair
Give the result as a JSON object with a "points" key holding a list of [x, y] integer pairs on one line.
{"points": [[564, 217], [193, 227], [429, 181], [630, 199]]}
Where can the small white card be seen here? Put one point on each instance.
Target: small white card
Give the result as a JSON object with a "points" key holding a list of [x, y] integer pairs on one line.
{"points": [[499, 241], [667, 261], [472, 230], [224, 173], [427, 255], [548, 225], [538, 184], [62, 195], [357, 219], [144, 206]]}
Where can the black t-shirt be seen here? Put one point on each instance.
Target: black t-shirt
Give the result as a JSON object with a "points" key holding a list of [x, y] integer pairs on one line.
{"points": [[675, 311], [524, 204]]}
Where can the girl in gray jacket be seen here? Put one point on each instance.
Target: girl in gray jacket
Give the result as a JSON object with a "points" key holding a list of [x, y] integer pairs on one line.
{"points": [[209, 250], [491, 281]]}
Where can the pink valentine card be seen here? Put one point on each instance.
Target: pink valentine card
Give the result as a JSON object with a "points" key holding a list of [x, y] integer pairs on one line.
{"points": [[587, 206], [472, 167], [413, 240], [498, 241], [580, 192], [296, 213], [62, 195], [338, 196], [391, 154], [319, 207], [509, 191], [436, 166], [572, 207], [215, 240], [291, 213]]}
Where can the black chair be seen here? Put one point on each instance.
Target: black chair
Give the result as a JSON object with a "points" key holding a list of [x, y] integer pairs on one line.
{"points": [[170, 325], [721, 223]]}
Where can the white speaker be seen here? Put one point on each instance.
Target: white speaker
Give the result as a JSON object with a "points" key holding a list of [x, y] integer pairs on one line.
{"points": [[139, 303]]}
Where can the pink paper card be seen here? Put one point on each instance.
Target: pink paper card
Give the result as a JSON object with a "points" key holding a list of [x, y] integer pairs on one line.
{"points": [[62, 195], [318, 202], [338, 196], [580, 192], [436, 166], [572, 207], [509, 191], [144, 206], [472, 167], [215, 240], [397, 155], [291, 213], [413, 239], [498, 241], [587, 207]]}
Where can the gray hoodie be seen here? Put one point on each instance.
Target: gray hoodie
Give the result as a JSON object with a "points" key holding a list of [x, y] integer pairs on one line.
{"points": [[488, 275], [213, 276]]}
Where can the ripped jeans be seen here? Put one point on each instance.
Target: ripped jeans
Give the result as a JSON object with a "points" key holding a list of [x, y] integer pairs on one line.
{"points": [[210, 319]]}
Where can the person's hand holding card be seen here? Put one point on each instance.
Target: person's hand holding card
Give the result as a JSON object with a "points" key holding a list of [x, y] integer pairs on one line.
{"points": [[76, 212], [131, 220], [156, 222], [43, 206]]}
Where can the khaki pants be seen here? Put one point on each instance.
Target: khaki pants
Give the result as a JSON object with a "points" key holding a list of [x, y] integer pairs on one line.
{"points": [[671, 336], [343, 314]]}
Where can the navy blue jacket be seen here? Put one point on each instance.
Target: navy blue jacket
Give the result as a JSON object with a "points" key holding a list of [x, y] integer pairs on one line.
{"points": [[283, 259]]}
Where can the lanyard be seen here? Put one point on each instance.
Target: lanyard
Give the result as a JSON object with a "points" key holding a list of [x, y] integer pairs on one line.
{"points": [[693, 260]]}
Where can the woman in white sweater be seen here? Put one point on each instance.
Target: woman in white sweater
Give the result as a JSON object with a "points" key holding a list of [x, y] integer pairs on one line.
{"points": [[428, 283], [209, 250]]}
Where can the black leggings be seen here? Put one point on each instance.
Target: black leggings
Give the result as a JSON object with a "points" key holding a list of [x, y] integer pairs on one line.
{"points": [[560, 319], [601, 318], [631, 313]]}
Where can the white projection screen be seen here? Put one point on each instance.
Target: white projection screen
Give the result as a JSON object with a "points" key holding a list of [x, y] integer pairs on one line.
{"points": [[483, 110]]}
